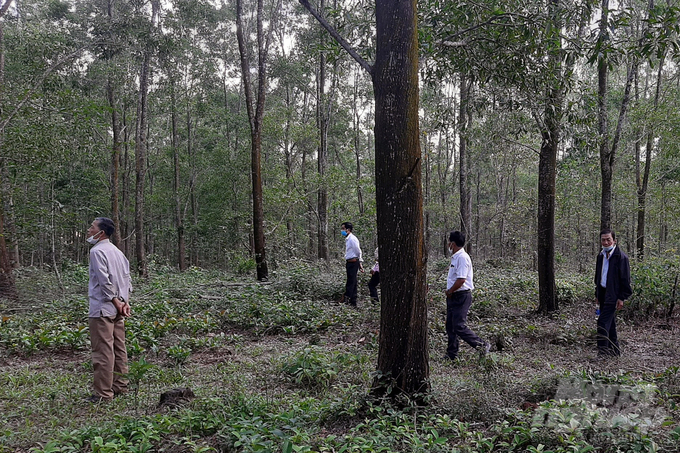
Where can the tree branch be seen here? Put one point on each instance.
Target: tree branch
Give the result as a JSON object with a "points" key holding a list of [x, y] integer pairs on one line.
{"points": [[37, 85], [345, 45], [5, 7]]}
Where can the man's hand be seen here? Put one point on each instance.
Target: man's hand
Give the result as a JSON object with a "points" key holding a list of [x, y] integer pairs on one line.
{"points": [[361, 267], [619, 304], [122, 307]]}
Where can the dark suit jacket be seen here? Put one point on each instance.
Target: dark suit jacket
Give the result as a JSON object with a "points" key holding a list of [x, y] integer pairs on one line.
{"points": [[618, 277]]}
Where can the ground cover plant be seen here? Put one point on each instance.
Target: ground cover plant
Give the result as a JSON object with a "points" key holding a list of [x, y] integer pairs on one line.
{"points": [[281, 367]]}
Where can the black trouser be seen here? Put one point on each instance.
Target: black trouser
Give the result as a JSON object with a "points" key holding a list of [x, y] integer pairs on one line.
{"points": [[457, 307], [373, 285], [351, 285], [607, 339]]}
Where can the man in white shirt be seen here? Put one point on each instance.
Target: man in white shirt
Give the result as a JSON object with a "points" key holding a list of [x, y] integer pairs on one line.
{"points": [[458, 292], [109, 295], [353, 262]]}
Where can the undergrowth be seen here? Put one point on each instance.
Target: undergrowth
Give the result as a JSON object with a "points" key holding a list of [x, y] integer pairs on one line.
{"points": [[279, 367]]}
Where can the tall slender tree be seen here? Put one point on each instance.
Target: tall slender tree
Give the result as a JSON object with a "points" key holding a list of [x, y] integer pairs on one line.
{"points": [[7, 285], [255, 106]]}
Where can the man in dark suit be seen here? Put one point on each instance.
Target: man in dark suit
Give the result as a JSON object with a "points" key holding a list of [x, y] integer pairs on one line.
{"points": [[612, 283]]}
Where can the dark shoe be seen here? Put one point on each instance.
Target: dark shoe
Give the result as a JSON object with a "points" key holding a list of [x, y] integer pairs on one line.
{"points": [[96, 399], [448, 358]]}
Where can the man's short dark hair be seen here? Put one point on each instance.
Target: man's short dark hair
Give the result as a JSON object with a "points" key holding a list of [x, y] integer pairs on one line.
{"points": [[348, 226], [105, 224], [457, 238], [608, 231]]}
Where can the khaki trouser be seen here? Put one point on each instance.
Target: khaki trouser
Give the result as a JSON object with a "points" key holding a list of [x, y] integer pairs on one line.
{"points": [[109, 356]]}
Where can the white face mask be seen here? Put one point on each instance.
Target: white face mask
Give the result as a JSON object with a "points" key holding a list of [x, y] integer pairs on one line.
{"points": [[92, 240]]}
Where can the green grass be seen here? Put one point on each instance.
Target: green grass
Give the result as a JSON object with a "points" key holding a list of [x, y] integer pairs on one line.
{"points": [[278, 367]]}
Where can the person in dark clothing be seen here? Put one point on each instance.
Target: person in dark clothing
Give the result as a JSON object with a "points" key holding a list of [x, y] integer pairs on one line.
{"points": [[375, 280], [612, 288]]}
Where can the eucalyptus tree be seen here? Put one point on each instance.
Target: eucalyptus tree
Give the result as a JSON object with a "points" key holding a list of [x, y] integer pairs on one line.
{"points": [[7, 286], [255, 106]]}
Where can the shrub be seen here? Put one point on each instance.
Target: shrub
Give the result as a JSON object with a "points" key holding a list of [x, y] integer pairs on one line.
{"points": [[654, 286]]}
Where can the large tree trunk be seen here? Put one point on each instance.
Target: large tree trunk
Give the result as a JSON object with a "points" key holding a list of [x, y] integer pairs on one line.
{"points": [[403, 355]]}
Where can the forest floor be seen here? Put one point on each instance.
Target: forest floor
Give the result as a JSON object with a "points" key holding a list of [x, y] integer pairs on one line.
{"points": [[282, 367]]}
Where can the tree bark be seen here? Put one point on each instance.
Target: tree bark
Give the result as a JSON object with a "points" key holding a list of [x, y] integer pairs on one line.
{"points": [[255, 117], [607, 151], [115, 162], [140, 164], [179, 217], [116, 146], [643, 181], [322, 125], [403, 355], [464, 166], [7, 285], [547, 170]]}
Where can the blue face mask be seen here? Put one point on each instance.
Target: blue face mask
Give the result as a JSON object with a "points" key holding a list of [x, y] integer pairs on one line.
{"points": [[344, 233], [608, 249]]}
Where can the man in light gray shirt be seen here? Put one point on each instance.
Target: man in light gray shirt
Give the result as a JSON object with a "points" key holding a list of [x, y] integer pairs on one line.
{"points": [[109, 293]]}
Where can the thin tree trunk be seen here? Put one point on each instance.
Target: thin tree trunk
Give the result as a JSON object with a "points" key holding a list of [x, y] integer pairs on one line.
{"points": [[7, 285], [140, 165], [255, 116], [116, 146], [115, 162], [463, 162], [643, 183], [179, 218], [322, 125], [607, 151]]}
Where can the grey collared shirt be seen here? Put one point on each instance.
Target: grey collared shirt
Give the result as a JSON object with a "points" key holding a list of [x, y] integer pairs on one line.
{"points": [[109, 278]]}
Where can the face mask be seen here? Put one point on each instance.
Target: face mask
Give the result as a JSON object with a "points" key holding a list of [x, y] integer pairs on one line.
{"points": [[608, 249], [92, 240], [344, 233]]}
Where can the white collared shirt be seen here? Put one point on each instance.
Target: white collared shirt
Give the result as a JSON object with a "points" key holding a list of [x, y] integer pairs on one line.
{"points": [[352, 248], [461, 267], [605, 266]]}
